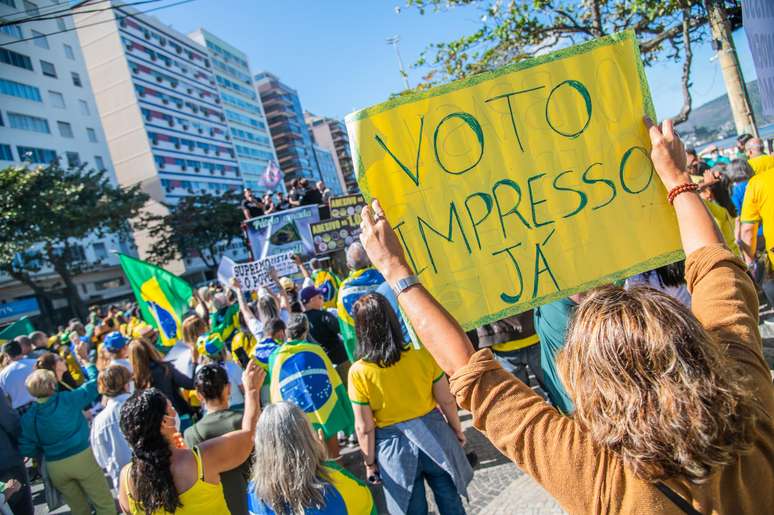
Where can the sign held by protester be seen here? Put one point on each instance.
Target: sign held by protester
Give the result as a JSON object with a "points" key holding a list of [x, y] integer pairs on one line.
{"points": [[347, 206], [335, 234], [286, 231], [523, 185], [256, 274]]}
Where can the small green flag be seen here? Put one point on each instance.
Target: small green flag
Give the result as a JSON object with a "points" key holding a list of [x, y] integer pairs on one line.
{"points": [[21, 327], [163, 297]]}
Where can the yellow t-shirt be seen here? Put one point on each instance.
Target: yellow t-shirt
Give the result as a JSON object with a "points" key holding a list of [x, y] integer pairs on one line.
{"points": [[725, 224], [758, 206], [399, 392], [761, 164], [514, 345]]}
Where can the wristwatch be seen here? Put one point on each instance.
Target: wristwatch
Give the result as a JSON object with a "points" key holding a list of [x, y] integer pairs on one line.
{"points": [[404, 284]]}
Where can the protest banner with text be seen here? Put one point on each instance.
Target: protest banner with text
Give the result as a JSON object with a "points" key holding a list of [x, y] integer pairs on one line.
{"points": [[523, 185], [286, 231], [256, 274]]}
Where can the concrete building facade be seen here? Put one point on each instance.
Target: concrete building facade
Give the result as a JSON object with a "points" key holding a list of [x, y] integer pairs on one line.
{"points": [[331, 134], [243, 109], [292, 140], [48, 112], [156, 92]]}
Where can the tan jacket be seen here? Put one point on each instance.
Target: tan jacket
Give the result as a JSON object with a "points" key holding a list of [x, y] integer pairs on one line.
{"points": [[587, 478]]}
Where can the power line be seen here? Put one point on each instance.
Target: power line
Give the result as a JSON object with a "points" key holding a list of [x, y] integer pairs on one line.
{"points": [[56, 9], [55, 15], [118, 18]]}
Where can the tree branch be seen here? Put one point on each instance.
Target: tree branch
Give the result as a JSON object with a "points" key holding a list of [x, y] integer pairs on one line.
{"points": [[653, 43], [682, 116]]}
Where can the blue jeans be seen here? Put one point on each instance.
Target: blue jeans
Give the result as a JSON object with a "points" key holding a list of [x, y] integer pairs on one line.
{"points": [[445, 493]]}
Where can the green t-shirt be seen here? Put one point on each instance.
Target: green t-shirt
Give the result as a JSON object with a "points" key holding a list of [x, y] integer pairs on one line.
{"points": [[235, 480], [551, 321]]}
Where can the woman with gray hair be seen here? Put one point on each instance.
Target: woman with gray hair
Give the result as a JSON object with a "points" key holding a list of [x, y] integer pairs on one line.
{"points": [[55, 427], [291, 474]]}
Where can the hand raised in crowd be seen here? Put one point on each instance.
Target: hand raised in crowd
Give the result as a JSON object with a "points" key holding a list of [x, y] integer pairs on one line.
{"points": [[381, 244], [82, 351], [11, 487], [252, 377], [667, 153]]}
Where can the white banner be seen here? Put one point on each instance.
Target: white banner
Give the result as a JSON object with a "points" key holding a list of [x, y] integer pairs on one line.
{"points": [[256, 274]]}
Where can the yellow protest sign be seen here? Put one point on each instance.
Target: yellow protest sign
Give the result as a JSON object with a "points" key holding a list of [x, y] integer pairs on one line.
{"points": [[520, 186]]}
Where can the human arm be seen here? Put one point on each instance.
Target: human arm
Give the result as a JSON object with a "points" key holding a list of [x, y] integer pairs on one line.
{"points": [[123, 497], [250, 319], [232, 449], [246, 213], [748, 237], [448, 406], [366, 436], [87, 392]]}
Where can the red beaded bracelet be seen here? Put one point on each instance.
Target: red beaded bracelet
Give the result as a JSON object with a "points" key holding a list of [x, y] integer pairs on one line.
{"points": [[682, 188]]}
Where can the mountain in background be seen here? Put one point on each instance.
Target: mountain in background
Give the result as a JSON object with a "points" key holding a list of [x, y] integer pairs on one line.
{"points": [[713, 121]]}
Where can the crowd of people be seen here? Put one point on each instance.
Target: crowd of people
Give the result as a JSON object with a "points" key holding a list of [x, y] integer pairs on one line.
{"points": [[651, 396], [300, 193]]}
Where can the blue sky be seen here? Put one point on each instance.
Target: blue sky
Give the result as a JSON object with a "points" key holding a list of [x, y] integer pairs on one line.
{"points": [[334, 52]]}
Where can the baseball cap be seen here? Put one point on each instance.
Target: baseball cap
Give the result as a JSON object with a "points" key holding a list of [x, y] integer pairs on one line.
{"points": [[287, 283], [308, 293], [114, 341]]}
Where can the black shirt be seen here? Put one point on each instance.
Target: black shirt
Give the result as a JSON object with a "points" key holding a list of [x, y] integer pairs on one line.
{"points": [[253, 206], [324, 329], [312, 197]]}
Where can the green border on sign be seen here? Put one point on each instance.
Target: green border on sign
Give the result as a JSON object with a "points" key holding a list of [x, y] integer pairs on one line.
{"points": [[620, 37]]}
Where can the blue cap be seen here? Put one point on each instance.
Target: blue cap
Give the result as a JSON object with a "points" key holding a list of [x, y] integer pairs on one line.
{"points": [[114, 341]]}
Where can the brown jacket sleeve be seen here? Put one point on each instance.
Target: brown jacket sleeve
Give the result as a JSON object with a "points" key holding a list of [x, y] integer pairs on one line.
{"points": [[543, 443], [725, 301]]}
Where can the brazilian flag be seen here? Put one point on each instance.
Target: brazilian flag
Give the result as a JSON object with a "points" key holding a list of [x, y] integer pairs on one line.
{"points": [[328, 283], [225, 323], [303, 374], [21, 327], [162, 296], [357, 285]]}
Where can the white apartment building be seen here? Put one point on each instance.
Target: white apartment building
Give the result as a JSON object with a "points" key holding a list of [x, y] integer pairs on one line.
{"points": [[48, 110]]}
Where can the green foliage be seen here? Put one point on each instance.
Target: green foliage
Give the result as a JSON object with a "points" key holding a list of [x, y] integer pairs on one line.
{"points": [[198, 225], [514, 30], [45, 210]]}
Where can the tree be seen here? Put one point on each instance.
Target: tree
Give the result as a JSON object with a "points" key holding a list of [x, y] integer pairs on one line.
{"points": [[198, 225], [45, 212], [517, 30]]}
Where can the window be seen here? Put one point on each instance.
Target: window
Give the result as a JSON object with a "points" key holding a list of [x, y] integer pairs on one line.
{"points": [[12, 30], [17, 89], [57, 99], [100, 251], [5, 152], [99, 163], [69, 52], [65, 129], [28, 123], [76, 79], [40, 39], [84, 107], [60, 23], [92, 134], [15, 59], [48, 69], [36, 155], [31, 8], [73, 159], [9, 3]]}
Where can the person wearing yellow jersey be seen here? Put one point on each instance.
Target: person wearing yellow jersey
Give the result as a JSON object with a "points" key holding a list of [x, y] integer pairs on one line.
{"points": [[164, 476], [758, 208], [759, 161], [405, 440], [515, 345]]}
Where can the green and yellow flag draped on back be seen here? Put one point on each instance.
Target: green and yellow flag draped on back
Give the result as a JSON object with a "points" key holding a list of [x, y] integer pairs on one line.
{"points": [[303, 374], [163, 297]]}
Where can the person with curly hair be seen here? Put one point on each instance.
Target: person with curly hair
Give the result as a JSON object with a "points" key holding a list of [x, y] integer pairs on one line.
{"points": [[673, 409], [166, 477]]}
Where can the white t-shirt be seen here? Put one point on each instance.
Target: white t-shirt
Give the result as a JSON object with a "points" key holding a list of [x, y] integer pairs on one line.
{"points": [[234, 373], [255, 326], [123, 362], [12, 380]]}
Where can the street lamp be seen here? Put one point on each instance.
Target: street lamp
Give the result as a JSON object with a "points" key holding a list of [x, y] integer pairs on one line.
{"points": [[394, 40]]}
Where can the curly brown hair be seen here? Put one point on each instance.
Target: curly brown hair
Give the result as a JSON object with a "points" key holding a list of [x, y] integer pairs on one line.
{"points": [[650, 384]]}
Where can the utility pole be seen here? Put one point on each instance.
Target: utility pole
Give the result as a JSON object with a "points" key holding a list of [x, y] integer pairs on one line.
{"points": [[723, 43], [393, 40]]}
